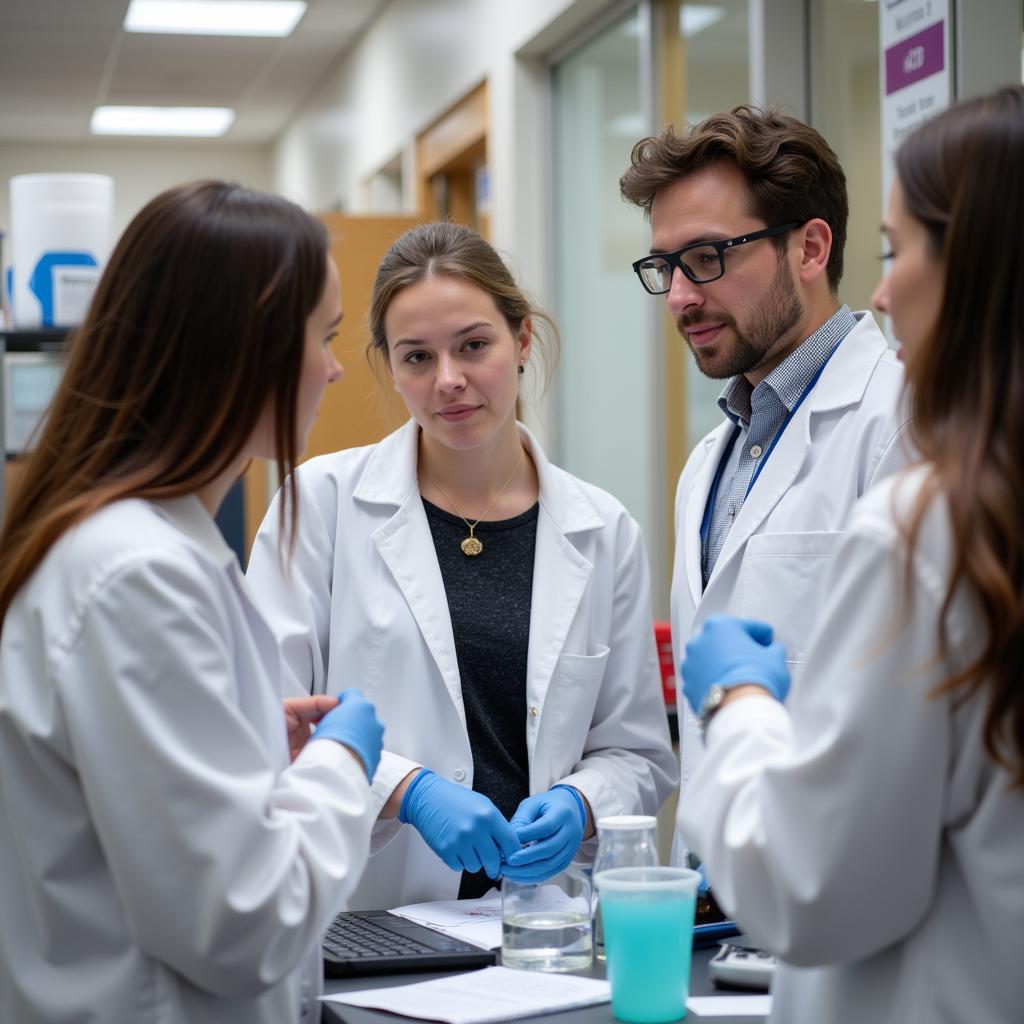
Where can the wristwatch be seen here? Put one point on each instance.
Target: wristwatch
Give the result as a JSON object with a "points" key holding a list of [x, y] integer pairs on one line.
{"points": [[708, 710]]}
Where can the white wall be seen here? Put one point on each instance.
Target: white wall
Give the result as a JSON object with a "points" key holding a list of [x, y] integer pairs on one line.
{"points": [[416, 60], [413, 62], [139, 170]]}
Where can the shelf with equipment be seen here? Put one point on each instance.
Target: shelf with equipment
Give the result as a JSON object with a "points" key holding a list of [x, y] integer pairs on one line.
{"points": [[32, 362], [41, 339]]}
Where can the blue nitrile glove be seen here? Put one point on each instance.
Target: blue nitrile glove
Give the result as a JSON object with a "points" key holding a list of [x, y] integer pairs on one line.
{"points": [[354, 723], [552, 823], [728, 652], [693, 862], [460, 825]]}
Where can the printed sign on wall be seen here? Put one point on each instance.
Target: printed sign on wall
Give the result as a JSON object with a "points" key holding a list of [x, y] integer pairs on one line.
{"points": [[915, 69]]}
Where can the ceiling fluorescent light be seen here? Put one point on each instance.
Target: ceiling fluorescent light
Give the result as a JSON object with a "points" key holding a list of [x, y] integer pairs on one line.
{"points": [[205, 122], [215, 17], [694, 18]]}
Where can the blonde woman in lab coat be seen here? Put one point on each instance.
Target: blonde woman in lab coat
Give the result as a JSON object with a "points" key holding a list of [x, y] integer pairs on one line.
{"points": [[173, 842], [869, 830], [495, 609]]}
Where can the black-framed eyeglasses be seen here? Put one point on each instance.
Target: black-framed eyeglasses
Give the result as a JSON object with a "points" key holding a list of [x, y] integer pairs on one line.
{"points": [[701, 262]]}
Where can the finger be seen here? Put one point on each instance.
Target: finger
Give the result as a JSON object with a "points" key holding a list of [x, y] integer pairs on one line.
{"points": [[529, 810], [507, 841], [310, 709], [490, 858], [350, 693], [544, 827], [561, 860], [529, 874], [462, 860], [543, 869], [760, 631], [537, 851]]}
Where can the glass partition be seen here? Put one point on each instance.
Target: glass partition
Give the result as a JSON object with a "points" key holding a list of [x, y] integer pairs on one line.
{"points": [[846, 109], [716, 76], [608, 414]]}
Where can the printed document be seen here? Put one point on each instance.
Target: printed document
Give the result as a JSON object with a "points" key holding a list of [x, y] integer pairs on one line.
{"points": [[730, 1006], [480, 997], [477, 921]]}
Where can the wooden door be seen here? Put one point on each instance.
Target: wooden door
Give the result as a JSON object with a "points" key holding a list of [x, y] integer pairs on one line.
{"points": [[358, 409]]}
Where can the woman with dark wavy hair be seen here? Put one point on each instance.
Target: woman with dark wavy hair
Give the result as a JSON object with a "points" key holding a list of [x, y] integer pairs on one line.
{"points": [[172, 843], [870, 831]]}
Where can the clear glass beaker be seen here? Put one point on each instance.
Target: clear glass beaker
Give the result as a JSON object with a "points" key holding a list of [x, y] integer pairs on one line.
{"points": [[623, 841], [546, 926]]}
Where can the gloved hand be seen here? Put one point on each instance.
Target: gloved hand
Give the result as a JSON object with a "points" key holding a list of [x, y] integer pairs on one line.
{"points": [[460, 825], [553, 823], [728, 652], [693, 862], [354, 723]]}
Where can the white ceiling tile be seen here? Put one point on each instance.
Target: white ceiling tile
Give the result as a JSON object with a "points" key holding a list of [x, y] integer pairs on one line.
{"points": [[60, 54], [63, 14]]}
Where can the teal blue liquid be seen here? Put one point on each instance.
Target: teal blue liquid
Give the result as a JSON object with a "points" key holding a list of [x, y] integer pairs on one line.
{"points": [[648, 947]]}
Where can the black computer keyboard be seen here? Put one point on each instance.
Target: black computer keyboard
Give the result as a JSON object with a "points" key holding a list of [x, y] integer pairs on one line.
{"points": [[375, 942], [357, 937]]}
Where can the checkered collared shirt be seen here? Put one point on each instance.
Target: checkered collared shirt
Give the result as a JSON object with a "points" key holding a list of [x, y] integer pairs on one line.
{"points": [[759, 413]]}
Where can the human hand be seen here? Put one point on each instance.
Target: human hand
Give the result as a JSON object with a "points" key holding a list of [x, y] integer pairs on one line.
{"points": [[300, 713], [729, 652], [553, 823], [354, 724], [693, 862], [460, 825]]}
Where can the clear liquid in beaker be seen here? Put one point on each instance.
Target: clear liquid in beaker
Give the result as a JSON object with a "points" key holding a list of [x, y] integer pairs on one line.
{"points": [[547, 941]]}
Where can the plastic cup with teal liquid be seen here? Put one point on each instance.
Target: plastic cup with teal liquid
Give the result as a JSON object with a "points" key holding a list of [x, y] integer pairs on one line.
{"points": [[648, 933]]}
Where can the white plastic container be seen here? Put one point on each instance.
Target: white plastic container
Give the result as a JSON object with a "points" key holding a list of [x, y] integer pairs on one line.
{"points": [[61, 227]]}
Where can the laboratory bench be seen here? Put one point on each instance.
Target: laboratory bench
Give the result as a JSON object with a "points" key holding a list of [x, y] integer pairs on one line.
{"points": [[700, 985]]}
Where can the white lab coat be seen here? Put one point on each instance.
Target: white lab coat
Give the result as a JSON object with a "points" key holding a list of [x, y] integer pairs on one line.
{"points": [[847, 434], [863, 826], [160, 861], [366, 607]]}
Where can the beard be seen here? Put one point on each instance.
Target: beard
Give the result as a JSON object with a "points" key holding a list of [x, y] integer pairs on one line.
{"points": [[775, 316]]}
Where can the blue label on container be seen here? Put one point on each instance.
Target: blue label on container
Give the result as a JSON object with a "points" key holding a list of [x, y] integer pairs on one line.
{"points": [[41, 281]]}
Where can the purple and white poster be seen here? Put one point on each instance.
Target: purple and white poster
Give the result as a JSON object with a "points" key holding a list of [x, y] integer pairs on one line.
{"points": [[915, 69]]}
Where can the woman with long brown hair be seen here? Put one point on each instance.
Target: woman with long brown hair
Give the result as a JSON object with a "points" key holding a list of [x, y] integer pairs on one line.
{"points": [[869, 832], [162, 859]]}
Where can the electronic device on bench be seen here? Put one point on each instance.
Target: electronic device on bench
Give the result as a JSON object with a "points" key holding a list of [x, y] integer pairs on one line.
{"points": [[739, 966], [710, 923], [364, 942]]}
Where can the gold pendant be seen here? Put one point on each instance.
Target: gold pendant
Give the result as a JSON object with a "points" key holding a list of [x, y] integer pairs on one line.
{"points": [[471, 546]]}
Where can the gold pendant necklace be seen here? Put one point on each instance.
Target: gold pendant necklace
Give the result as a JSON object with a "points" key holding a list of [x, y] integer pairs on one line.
{"points": [[472, 545]]}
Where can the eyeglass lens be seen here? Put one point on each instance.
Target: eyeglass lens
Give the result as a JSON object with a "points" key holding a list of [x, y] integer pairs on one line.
{"points": [[701, 264]]}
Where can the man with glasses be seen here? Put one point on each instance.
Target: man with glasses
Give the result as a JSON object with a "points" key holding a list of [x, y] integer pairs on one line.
{"points": [[748, 218]]}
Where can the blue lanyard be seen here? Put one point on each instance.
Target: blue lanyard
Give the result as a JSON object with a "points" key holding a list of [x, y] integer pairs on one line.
{"points": [[709, 508]]}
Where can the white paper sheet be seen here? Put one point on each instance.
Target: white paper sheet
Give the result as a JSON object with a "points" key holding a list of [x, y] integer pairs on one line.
{"points": [[480, 997], [730, 1006], [477, 921]]}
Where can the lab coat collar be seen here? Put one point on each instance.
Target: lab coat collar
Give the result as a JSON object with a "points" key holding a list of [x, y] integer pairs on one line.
{"points": [[390, 472], [390, 477], [561, 496], [848, 373], [843, 383], [405, 544], [190, 516]]}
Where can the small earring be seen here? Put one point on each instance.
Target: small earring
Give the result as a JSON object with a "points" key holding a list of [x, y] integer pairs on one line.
{"points": [[522, 369]]}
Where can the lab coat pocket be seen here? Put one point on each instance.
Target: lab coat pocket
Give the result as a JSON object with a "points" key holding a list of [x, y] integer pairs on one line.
{"points": [[784, 577], [570, 701]]}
